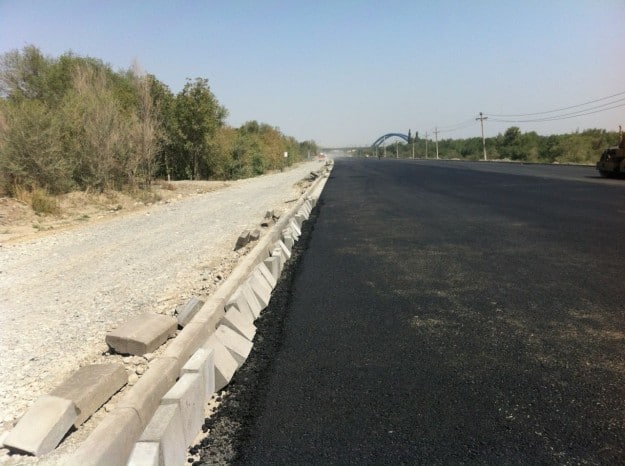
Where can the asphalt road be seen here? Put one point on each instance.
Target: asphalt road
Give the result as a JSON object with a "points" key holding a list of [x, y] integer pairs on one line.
{"points": [[451, 313]]}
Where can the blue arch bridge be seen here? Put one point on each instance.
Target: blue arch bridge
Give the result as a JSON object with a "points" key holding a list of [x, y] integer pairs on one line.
{"points": [[382, 139]]}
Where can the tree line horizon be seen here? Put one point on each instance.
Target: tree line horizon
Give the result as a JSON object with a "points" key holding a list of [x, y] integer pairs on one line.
{"points": [[73, 123], [582, 147]]}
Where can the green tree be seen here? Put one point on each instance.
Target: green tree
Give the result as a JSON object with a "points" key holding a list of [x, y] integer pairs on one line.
{"points": [[197, 117]]}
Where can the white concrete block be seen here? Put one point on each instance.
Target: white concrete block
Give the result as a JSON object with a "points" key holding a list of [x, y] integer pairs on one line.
{"points": [[238, 345], [225, 364], [43, 426], [285, 251], [203, 362], [239, 323], [239, 302], [145, 454], [266, 273], [296, 229], [188, 395], [260, 287], [288, 238], [278, 254], [273, 265], [165, 429], [301, 218], [251, 299]]}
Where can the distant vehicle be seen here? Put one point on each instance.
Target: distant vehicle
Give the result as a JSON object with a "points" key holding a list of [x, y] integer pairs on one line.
{"points": [[612, 161]]}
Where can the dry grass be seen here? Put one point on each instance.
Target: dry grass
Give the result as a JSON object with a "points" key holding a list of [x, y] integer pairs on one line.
{"points": [[39, 200]]}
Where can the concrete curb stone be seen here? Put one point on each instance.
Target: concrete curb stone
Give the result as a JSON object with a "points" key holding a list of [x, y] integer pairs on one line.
{"points": [[203, 362], [239, 346], [43, 426], [114, 436], [141, 334], [166, 429], [239, 323], [90, 387]]}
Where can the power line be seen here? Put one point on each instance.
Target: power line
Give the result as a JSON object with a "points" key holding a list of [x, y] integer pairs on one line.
{"points": [[456, 126], [559, 109], [562, 117]]}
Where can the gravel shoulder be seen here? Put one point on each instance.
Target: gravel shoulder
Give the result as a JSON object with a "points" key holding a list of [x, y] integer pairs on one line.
{"points": [[62, 290]]}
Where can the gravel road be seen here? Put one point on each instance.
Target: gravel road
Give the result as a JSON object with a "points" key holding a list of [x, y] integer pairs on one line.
{"points": [[61, 293]]}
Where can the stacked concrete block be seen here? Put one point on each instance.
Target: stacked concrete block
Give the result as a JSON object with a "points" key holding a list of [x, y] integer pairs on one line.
{"points": [[238, 346], [43, 426], [166, 431], [90, 387], [225, 364], [253, 302], [142, 334], [240, 303], [266, 273], [203, 363], [239, 323], [261, 287], [288, 239], [273, 265], [301, 218], [296, 229], [189, 395], [284, 250], [186, 312]]}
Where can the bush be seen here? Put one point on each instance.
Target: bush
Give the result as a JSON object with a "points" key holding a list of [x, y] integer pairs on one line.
{"points": [[42, 203]]}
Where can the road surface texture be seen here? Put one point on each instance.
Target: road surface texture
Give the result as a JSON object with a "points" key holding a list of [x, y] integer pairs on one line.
{"points": [[61, 293], [444, 313]]}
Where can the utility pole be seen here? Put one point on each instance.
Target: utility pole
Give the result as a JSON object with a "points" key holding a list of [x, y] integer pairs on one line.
{"points": [[482, 118], [396, 149], [384, 147], [426, 145], [413, 149], [436, 131]]}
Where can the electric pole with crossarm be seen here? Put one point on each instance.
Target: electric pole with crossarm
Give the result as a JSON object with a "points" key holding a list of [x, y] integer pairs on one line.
{"points": [[482, 118]]}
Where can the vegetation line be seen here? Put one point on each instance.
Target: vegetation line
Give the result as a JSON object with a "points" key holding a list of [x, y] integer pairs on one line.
{"points": [[72, 123]]}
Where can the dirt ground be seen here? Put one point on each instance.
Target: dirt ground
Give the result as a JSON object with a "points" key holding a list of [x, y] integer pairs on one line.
{"points": [[19, 222]]}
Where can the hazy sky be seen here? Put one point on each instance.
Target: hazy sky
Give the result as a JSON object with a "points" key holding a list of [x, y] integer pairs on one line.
{"points": [[345, 72]]}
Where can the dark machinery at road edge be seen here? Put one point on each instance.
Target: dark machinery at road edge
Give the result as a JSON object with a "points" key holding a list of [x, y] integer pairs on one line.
{"points": [[612, 161]]}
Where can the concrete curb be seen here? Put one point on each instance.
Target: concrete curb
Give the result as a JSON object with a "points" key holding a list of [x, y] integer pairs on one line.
{"points": [[113, 441]]}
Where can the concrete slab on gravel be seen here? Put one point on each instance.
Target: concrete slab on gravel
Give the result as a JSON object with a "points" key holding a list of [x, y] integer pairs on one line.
{"points": [[90, 387], [43, 426], [142, 334]]}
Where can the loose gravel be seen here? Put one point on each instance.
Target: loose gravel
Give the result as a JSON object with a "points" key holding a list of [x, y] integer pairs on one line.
{"points": [[60, 294]]}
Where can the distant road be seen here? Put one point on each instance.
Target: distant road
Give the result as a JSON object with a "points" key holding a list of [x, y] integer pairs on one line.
{"points": [[450, 312]]}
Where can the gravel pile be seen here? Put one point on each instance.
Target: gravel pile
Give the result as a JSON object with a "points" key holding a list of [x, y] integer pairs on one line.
{"points": [[61, 293]]}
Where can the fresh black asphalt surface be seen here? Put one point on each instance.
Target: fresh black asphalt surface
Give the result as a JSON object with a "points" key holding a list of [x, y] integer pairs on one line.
{"points": [[442, 313]]}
